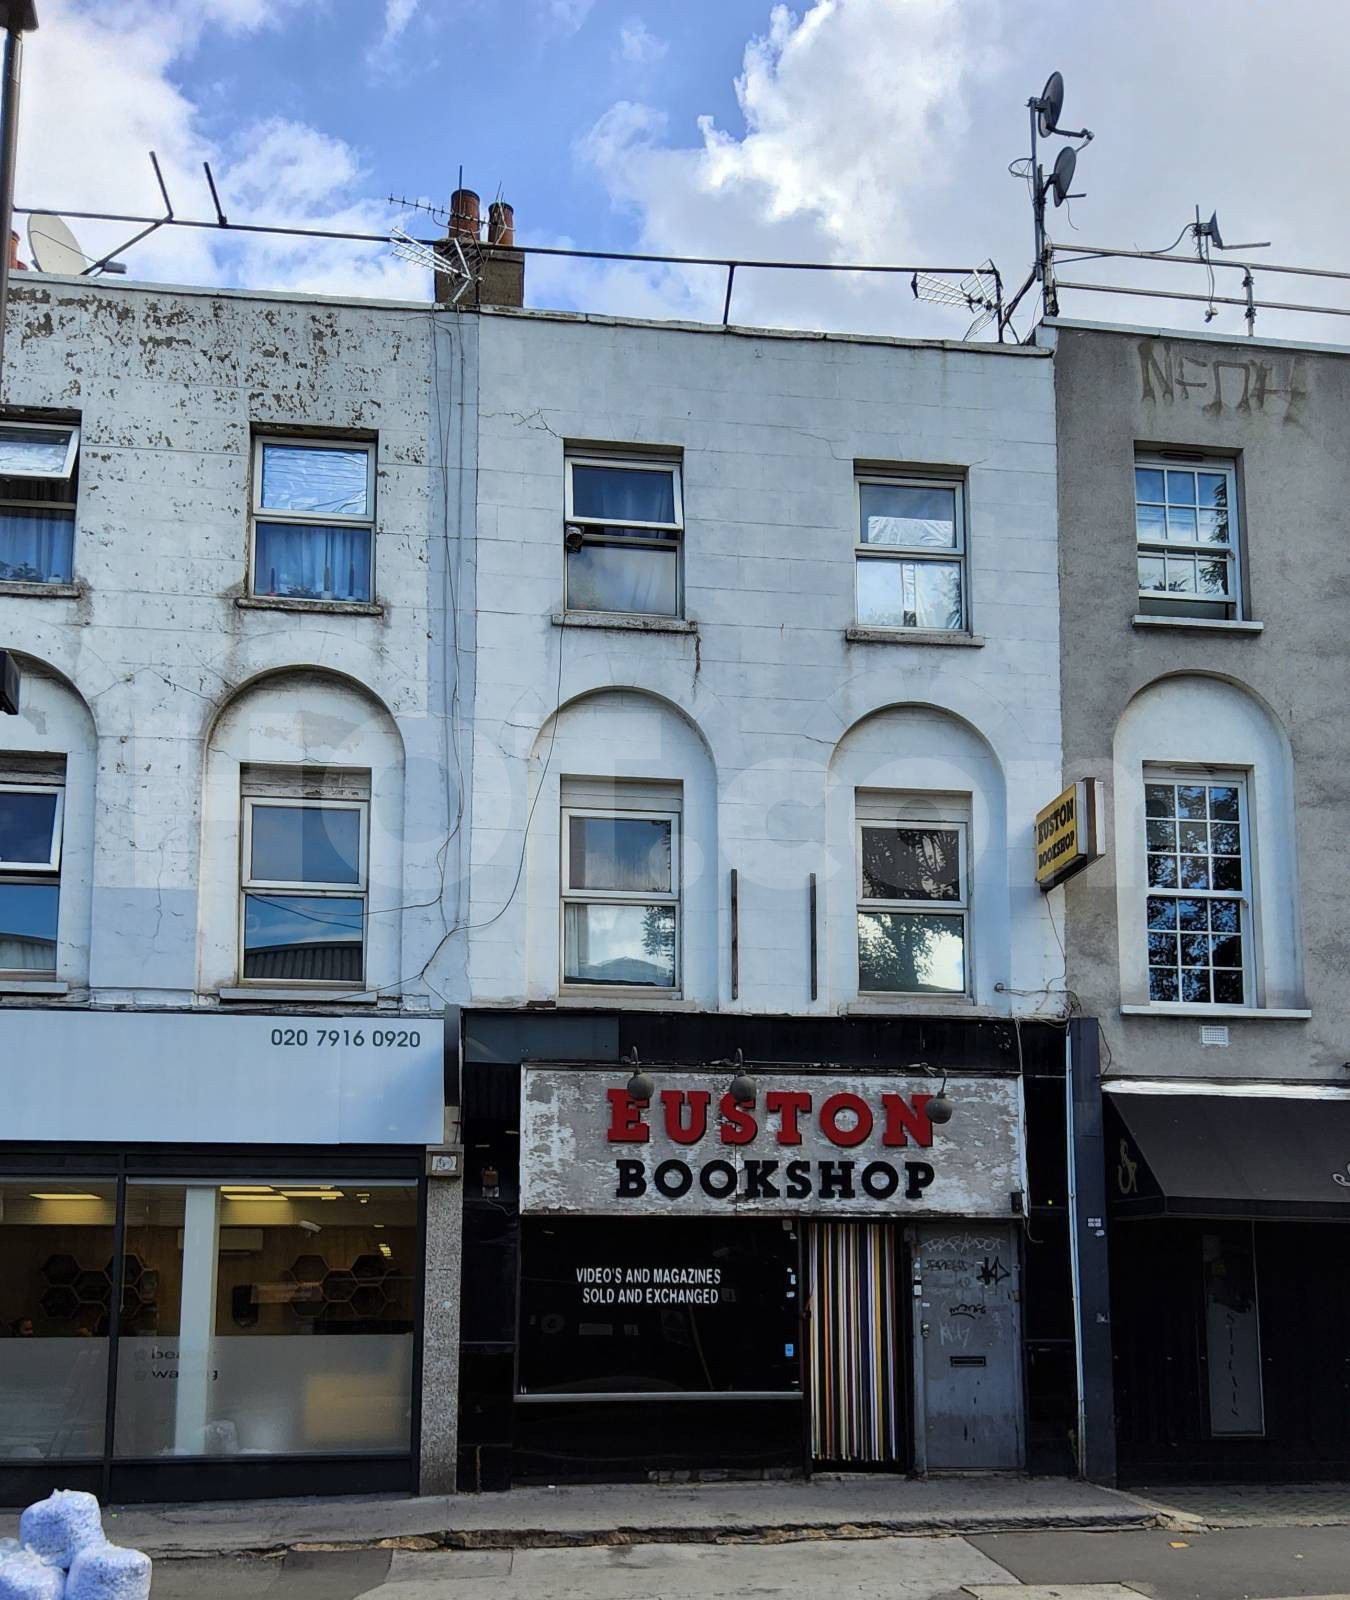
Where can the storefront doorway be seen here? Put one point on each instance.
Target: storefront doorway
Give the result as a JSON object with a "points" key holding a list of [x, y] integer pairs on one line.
{"points": [[914, 1346], [857, 1346], [966, 1282]]}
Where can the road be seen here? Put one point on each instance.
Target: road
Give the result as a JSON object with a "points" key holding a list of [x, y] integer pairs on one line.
{"points": [[1234, 1564]]}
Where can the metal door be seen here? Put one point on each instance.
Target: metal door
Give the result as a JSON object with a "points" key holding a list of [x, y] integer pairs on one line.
{"points": [[968, 1364]]}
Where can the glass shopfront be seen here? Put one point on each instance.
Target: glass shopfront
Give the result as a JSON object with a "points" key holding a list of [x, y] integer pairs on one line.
{"points": [[56, 1256], [240, 1320]]}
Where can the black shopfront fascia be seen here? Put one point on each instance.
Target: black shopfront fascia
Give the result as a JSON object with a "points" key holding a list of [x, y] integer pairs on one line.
{"points": [[503, 1440], [128, 1481]]}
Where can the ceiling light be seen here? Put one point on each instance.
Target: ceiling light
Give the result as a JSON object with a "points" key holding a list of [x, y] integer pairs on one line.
{"points": [[65, 1194]]}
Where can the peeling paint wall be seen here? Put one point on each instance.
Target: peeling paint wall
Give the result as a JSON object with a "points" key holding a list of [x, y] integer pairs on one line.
{"points": [[169, 387], [765, 702]]}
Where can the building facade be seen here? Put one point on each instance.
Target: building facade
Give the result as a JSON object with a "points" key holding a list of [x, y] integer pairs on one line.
{"points": [[224, 803], [764, 699], [1204, 661]]}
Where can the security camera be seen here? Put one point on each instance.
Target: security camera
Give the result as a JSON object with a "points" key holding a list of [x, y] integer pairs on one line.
{"points": [[573, 537]]}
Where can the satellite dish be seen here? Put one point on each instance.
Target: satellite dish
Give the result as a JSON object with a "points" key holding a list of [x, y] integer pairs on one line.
{"points": [[1061, 179], [54, 247], [1050, 104]]}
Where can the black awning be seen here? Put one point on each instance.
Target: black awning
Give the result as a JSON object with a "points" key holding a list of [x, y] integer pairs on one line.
{"points": [[1215, 1155]]}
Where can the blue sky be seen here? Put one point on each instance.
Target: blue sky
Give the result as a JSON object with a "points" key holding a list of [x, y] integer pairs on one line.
{"points": [[831, 130]]}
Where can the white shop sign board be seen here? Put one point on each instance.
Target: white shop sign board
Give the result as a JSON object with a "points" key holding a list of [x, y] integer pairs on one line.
{"points": [[208, 1078], [827, 1146]]}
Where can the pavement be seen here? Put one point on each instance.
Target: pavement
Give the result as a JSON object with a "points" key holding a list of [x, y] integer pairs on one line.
{"points": [[825, 1507], [1049, 1564], [1251, 1505], [980, 1537]]}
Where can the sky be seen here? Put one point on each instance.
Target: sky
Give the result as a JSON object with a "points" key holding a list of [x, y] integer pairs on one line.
{"points": [[833, 131]]}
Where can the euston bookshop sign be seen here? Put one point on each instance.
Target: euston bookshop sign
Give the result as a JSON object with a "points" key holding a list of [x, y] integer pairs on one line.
{"points": [[828, 1146], [1067, 833]]}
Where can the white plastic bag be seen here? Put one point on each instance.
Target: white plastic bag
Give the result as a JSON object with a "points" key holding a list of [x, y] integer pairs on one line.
{"points": [[25, 1576], [109, 1572], [61, 1525]]}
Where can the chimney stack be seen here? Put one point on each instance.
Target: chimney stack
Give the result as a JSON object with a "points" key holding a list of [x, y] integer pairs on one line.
{"points": [[500, 268]]}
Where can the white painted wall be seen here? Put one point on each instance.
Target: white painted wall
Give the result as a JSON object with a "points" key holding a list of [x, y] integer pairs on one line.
{"points": [[767, 708]]}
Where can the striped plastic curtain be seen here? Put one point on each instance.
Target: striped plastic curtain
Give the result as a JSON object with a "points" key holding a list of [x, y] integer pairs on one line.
{"points": [[856, 1364]]}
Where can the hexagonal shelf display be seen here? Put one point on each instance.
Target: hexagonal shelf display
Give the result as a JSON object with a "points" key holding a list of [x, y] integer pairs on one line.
{"points": [[60, 1269], [368, 1301], [132, 1267], [60, 1303], [309, 1269], [93, 1288], [339, 1286], [370, 1268]]}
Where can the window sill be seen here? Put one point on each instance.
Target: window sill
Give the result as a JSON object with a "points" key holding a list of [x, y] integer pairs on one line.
{"points": [[331, 608], [968, 641], [616, 999], [40, 986], [41, 591], [1199, 624], [1175, 1008], [922, 1006], [622, 622], [263, 995]]}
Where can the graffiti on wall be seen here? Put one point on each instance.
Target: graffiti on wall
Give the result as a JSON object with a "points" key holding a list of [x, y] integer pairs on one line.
{"points": [[1221, 382]]}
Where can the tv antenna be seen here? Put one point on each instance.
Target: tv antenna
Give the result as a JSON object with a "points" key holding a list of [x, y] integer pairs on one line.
{"points": [[977, 292], [448, 257], [1045, 110]]}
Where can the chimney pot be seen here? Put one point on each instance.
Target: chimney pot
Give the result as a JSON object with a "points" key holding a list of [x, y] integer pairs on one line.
{"points": [[465, 215], [501, 224]]}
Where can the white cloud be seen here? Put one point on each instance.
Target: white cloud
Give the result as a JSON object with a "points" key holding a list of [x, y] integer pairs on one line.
{"points": [[567, 15], [882, 130], [99, 93], [638, 44], [397, 15]]}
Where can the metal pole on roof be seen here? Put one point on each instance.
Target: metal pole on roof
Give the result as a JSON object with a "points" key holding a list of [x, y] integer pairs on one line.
{"points": [[16, 17]]}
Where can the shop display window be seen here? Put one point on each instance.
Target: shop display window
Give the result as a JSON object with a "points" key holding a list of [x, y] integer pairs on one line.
{"points": [[267, 1317], [644, 1308], [56, 1266], [254, 1318]]}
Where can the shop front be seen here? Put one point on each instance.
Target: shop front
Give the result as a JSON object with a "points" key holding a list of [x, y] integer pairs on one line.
{"points": [[207, 1318], [1230, 1267], [766, 1271]]}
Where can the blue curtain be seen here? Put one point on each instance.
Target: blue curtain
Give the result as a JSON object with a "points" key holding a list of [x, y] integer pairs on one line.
{"points": [[35, 546], [312, 562]]}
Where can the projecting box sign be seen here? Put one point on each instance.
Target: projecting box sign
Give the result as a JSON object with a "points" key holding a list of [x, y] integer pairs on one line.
{"points": [[827, 1146], [1066, 834]]}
